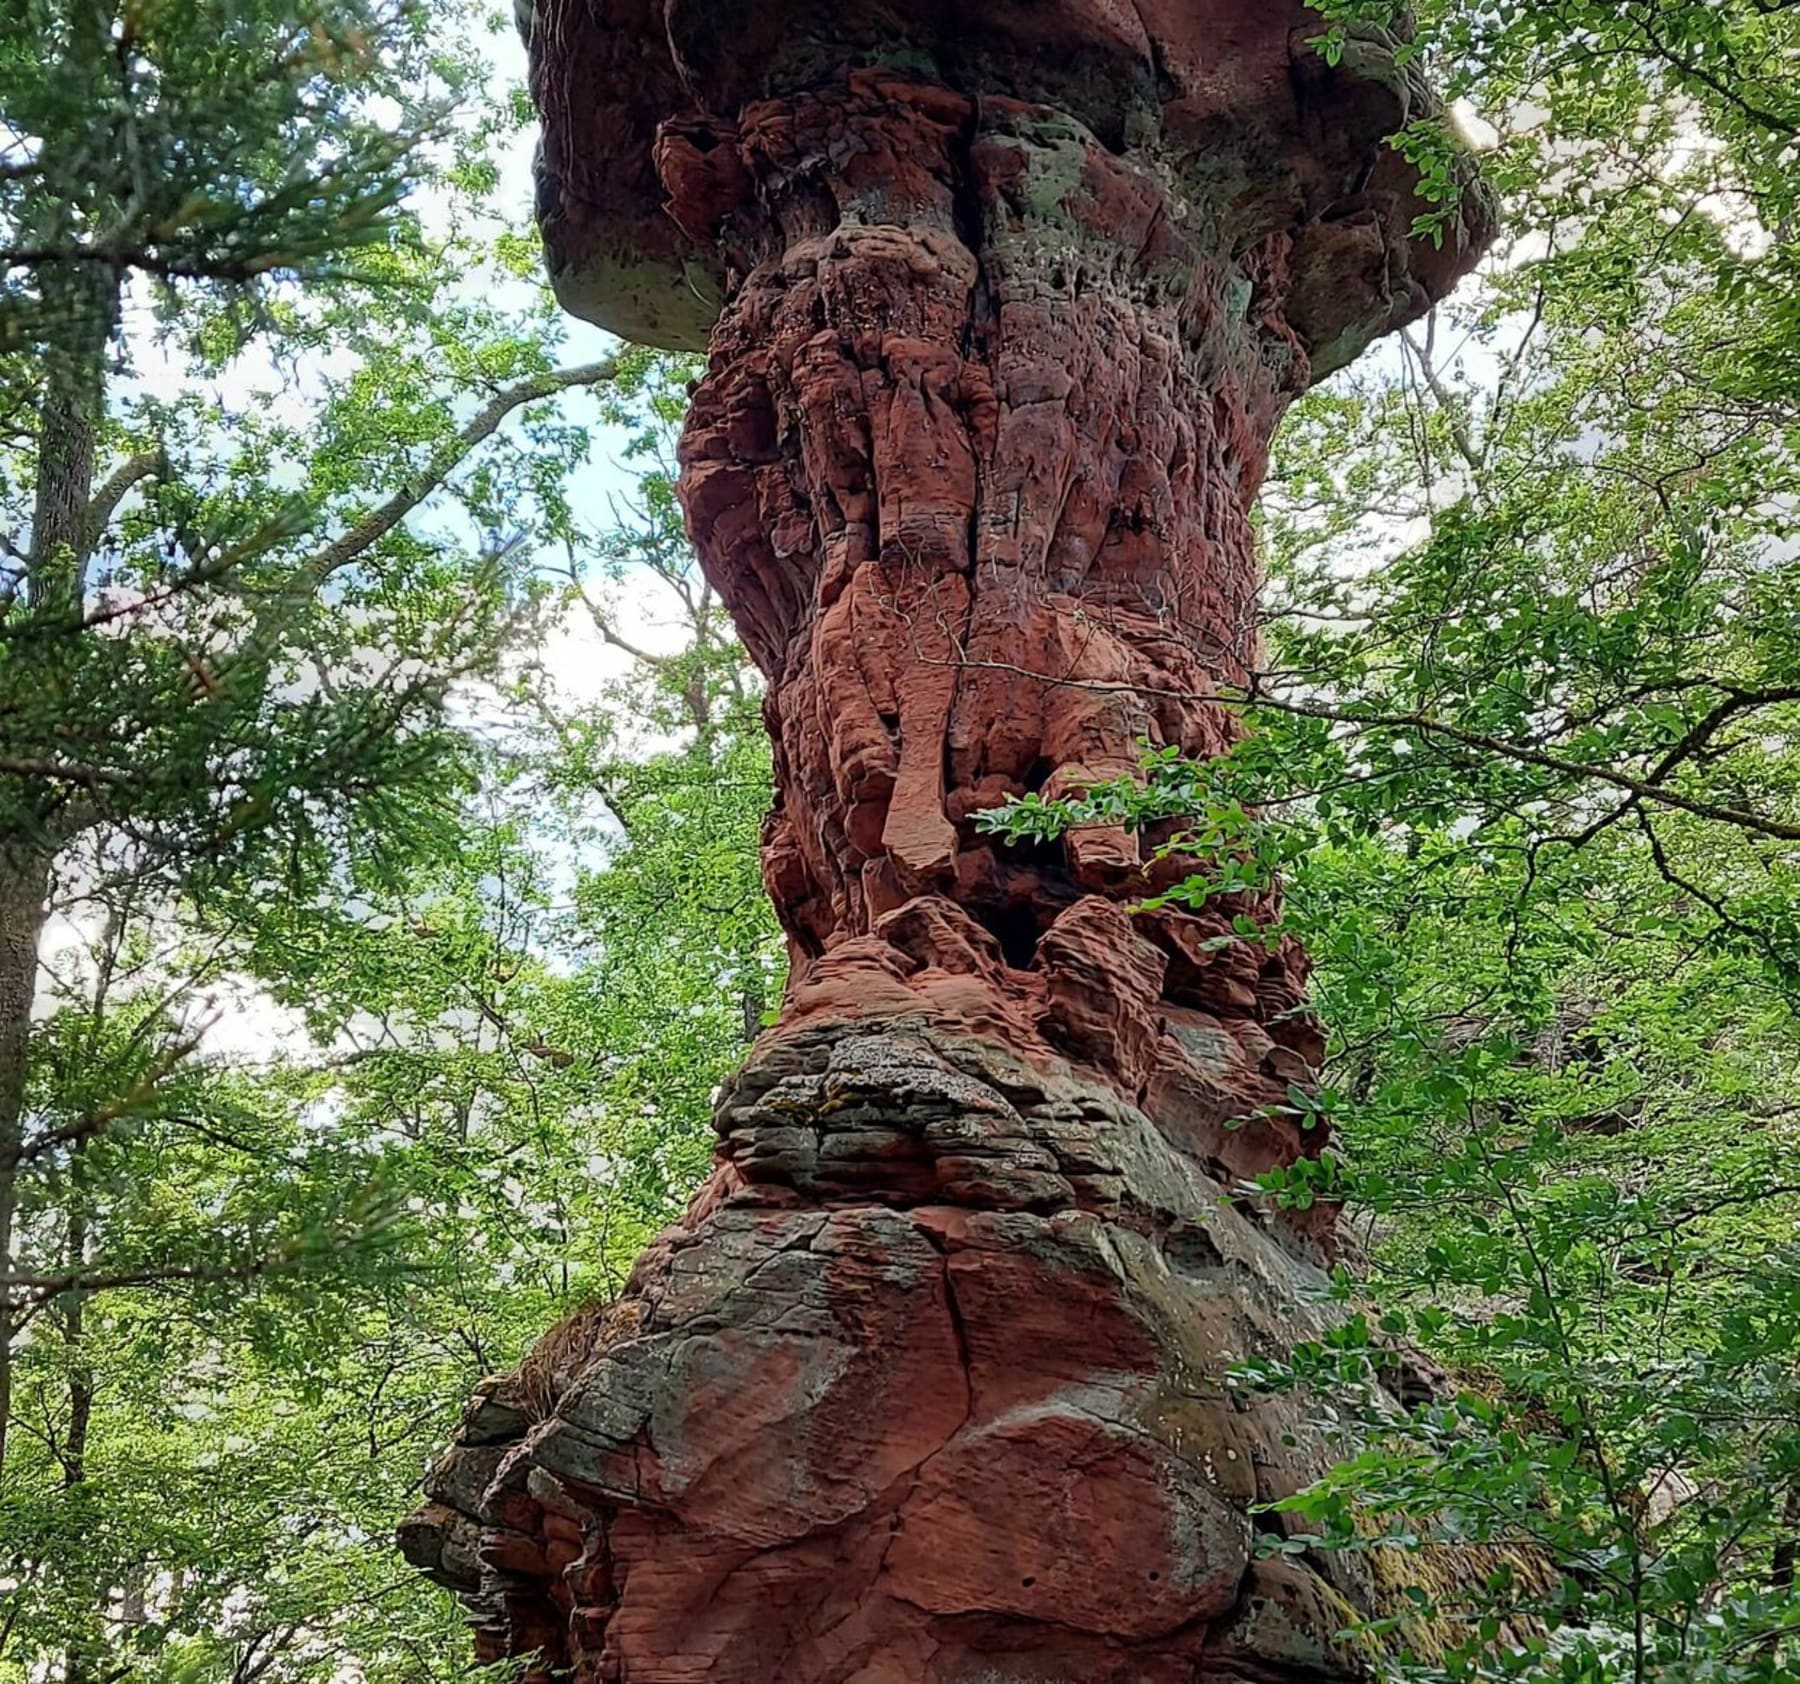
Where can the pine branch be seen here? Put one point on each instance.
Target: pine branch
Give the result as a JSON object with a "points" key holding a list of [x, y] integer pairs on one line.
{"points": [[63, 772]]}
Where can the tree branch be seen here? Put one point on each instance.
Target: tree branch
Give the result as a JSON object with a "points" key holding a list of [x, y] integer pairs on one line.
{"points": [[62, 771], [42, 1289], [128, 473], [378, 522], [1645, 788]]}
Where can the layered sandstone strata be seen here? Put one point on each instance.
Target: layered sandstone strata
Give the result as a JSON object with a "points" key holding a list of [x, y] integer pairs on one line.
{"points": [[1003, 304]]}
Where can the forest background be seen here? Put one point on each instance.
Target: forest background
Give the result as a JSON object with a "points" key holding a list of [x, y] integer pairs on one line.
{"points": [[379, 788]]}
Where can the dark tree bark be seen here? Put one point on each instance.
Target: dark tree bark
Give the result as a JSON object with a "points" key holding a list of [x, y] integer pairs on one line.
{"points": [[83, 308]]}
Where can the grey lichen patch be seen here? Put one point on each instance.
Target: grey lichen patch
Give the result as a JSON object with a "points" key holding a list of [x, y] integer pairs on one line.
{"points": [[897, 52], [673, 305], [1057, 155], [1372, 55], [1344, 349]]}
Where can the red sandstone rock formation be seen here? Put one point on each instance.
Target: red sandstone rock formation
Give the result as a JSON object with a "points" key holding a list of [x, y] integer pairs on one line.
{"points": [[1004, 302]]}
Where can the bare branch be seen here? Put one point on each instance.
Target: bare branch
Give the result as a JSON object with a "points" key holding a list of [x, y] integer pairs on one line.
{"points": [[375, 525], [107, 499]]}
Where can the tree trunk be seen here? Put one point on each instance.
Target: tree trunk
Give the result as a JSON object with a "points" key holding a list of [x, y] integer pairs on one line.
{"points": [[24, 885], [83, 307], [932, 1381], [87, 1593]]}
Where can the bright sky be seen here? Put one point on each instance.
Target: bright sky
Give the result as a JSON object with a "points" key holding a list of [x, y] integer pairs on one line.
{"points": [[245, 1024]]}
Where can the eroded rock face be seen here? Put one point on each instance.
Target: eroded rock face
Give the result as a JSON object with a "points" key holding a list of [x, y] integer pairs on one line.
{"points": [[929, 1388], [930, 1384], [972, 463]]}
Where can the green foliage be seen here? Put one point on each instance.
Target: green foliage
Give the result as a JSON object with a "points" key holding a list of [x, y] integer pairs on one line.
{"points": [[1525, 762], [662, 783], [389, 970], [310, 1123]]}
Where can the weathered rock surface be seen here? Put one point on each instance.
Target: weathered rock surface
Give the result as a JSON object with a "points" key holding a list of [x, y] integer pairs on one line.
{"points": [[930, 1386], [1003, 302]]}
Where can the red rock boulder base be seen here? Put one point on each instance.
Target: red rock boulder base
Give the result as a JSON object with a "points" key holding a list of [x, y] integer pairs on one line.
{"points": [[931, 1382]]}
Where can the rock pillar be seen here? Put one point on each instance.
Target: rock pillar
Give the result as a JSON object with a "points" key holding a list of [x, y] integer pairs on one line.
{"points": [[930, 1386]]}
